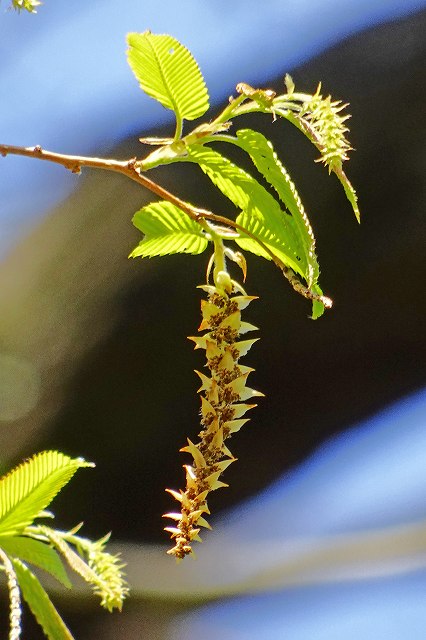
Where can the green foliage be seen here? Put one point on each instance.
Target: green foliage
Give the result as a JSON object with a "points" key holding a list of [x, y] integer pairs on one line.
{"points": [[274, 228], [317, 305], [349, 191], [25, 493], [167, 230]]}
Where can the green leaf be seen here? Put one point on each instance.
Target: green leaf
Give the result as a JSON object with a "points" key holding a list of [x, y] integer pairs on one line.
{"points": [[268, 164], [167, 72], [255, 224], [40, 604], [167, 230], [37, 553], [261, 213], [29, 488]]}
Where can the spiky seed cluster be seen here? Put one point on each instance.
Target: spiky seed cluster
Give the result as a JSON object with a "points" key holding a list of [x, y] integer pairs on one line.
{"points": [[223, 396], [328, 128]]}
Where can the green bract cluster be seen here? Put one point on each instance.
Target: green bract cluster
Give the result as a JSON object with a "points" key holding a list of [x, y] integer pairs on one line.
{"points": [[276, 228], [25, 493]]}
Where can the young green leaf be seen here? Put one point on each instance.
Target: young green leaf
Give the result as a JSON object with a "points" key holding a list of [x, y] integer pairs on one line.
{"points": [[268, 164], [167, 230], [261, 213], [29, 488], [167, 72], [40, 604], [38, 553]]}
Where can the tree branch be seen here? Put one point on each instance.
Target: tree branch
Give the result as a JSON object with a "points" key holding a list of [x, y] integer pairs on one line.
{"points": [[75, 163], [128, 168]]}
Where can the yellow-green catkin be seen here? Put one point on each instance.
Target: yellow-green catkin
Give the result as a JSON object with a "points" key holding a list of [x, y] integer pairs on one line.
{"points": [[328, 128], [223, 404]]}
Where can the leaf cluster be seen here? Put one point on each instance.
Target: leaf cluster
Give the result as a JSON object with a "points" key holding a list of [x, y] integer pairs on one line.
{"points": [[275, 227]]}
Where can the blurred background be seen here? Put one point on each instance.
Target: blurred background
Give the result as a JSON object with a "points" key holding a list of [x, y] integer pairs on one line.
{"points": [[322, 531]]}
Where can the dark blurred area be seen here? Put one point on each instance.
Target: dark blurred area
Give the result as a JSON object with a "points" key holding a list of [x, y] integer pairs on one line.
{"points": [[127, 398]]}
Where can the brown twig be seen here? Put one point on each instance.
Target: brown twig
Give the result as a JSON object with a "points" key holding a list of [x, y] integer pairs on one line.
{"points": [[128, 168], [75, 163]]}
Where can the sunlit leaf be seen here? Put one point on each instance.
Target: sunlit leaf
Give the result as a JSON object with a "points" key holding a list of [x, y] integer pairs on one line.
{"points": [[27, 5], [29, 488], [268, 164], [167, 71], [167, 230]]}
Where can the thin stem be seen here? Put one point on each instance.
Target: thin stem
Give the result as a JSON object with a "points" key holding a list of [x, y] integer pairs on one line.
{"points": [[222, 137], [229, 110], [219, 258], [179, 127], [237, 108]]}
